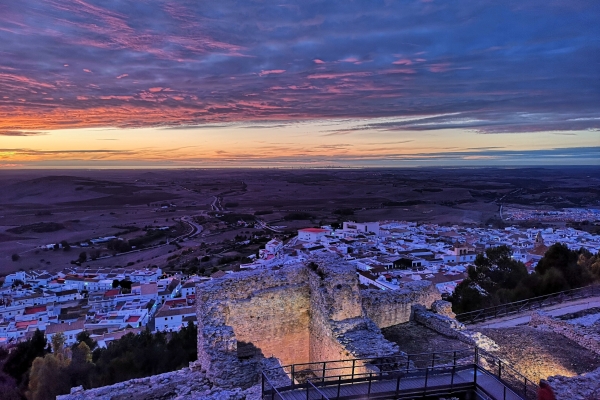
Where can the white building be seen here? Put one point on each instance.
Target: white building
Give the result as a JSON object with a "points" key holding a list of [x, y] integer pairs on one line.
{"points": [[361, 227], [172, 319], [312, 234]]}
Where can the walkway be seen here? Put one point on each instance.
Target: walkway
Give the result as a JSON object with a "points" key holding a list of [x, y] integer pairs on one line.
{"points": [[453, 373], [555, 310], [441, 382]]}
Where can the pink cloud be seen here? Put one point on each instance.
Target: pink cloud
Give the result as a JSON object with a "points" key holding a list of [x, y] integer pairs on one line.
{"points": [[87, 70], [334, 75], [272, 71], [404, 61], [350, 59], [442, 67], [400, 71], [155, 89], [317, 61], [122, 76]]}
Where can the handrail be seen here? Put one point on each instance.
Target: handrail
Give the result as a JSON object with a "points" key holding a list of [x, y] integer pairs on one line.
{"points": [[400, 356], [497, 311], [323, 395], [273, 388], [403, 367]]}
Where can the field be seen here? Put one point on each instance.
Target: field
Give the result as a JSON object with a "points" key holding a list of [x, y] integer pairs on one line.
{"points": [[39, 208]]}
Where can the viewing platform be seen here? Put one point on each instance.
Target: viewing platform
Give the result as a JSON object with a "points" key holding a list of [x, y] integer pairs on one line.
{"points": [[465, 374]]}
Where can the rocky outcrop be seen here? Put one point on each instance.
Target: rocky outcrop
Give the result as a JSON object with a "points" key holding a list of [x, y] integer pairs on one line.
{"points": [[579, 335], [582, 387], [185, 384]]}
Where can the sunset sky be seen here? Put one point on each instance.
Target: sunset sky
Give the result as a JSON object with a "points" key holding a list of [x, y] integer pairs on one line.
{"points": [[177, 83]]}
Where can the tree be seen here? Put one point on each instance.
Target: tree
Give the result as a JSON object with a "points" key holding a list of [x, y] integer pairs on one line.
{"points": [[8, 387], [125, 284], [80, 369], [82, 257], [48, 378], [65, 245], [58, 343], [492, 280], [15, 257], [20, 359], [115, 283]]}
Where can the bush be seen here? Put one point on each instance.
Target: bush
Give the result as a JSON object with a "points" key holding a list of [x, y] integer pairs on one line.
{"points": [[298, 216], [15, 257]]}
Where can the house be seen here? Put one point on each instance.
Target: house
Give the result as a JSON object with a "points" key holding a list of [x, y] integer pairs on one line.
{"points": [[70, 330], [312, 234], [172, 319], [361, 227]]}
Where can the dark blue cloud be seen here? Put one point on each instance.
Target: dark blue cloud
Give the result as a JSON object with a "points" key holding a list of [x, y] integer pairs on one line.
{"points": [[509, 66]]}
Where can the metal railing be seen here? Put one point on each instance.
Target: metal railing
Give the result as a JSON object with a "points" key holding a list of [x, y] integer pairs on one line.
{"points": [[534, 303], [453, 371]]}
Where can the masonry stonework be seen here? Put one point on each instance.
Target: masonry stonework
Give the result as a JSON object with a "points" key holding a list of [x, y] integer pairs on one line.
{"points": [[392, 307], [302, 313]]}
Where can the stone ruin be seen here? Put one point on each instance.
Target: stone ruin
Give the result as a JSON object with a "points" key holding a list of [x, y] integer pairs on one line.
{"points": [[297, 314]]}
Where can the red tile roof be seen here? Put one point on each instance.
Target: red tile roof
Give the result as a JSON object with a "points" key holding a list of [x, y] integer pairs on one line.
{"points": [[314, 230], [34, 310]]}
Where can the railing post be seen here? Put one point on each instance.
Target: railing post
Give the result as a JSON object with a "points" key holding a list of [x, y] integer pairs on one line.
{"points": [[262, 384], [370, 378], [432, 360], [499, 368], [398, 385], [407, 363], [504, 386], [353, 365], [454, 358], [475, 374], [323, 377], [339, 384], [525, 386], [476, 355], [293, 379], [452, 378]]}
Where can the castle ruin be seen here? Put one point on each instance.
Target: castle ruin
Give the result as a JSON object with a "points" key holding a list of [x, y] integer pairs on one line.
{"points": [[298, 314]]}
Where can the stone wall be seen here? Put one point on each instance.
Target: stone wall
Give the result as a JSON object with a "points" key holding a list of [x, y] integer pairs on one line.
{"points": [[251, 301], [185, 384], [392, 307], [274, 321], [579, 336], [339, 329], [298, 314], [450, 327]]}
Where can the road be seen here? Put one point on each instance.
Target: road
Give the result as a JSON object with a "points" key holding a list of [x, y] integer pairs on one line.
{"points": [[264, 225], [216, 204], [195, 229], [554, 310]]}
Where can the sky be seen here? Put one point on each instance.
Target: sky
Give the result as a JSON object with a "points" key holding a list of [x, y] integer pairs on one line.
{"points": [[311, 83]]}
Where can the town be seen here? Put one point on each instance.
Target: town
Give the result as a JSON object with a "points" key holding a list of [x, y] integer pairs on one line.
{"points": [[108, 303]]}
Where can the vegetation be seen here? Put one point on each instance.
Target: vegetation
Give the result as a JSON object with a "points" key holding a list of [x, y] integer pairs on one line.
{"points": [[496, 278], [15, 257], [32, 370], [40, 227], [298, 216]]}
